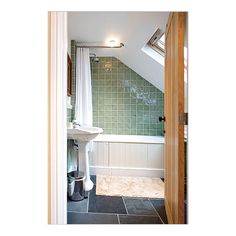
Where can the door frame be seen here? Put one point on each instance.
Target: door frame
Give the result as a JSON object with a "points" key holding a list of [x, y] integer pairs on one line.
{"points": [[57, 134]]}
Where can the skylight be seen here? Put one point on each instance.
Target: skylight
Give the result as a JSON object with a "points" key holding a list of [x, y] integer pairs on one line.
{"points": [[161, 42], [157, 42]]}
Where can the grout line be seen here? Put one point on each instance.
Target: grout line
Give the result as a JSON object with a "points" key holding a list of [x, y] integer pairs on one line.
{"points": [[138, 215], [71, 211], [113, 214], [156, 211], [88, 202], [125, 205], [118, 218]]}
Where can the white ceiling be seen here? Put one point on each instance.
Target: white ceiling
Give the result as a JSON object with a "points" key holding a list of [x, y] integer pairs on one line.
{"points": [[133, 29]]}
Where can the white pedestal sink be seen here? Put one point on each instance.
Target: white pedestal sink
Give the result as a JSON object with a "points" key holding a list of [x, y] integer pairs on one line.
{"points": [[84, 135]]}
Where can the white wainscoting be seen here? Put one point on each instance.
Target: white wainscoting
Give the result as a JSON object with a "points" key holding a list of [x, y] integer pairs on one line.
{"points": [[127, 158]]}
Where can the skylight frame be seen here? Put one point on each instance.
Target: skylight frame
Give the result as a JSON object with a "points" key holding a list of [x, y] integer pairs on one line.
{"points": [[155, 39]]}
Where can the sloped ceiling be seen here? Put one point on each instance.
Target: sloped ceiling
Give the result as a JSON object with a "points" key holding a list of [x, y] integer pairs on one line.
{"points": [[134, 29]]}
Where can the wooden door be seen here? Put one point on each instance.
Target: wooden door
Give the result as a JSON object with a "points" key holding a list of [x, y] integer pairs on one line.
{"points": [[174, 118]]}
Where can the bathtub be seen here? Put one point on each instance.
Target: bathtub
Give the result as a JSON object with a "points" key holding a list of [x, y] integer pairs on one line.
{"points": [[128, 155]]}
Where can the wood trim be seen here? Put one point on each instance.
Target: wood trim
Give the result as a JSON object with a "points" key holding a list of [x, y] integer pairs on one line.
{"points": [[168, 212], [49, 118], [174, 107], [181, 110], [57, 92], [168, 23]]}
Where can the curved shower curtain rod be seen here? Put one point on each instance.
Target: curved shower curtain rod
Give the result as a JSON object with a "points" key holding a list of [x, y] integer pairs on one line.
{"points": [[98, 46]]}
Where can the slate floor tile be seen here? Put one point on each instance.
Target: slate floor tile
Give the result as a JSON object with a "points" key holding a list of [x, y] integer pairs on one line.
{"points": [[93, 178], [80, 206], [131, 219], [91, 218], [105, 204], [160, 208], [139, 206]]}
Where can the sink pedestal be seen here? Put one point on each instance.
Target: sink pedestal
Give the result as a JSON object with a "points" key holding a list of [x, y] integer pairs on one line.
{"points": [[84, 164]]}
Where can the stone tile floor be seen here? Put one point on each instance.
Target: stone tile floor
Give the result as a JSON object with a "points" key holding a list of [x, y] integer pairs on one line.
{"points": [[97, 209]]}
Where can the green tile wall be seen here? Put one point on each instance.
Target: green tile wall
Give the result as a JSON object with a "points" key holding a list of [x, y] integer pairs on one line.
{"points": [[124, 102], [70, 113]]}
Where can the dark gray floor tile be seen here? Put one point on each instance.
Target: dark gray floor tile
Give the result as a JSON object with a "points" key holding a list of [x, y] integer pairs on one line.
{"points": [[91, 218], [139, 206], [93, 178], [80, 206], [131, 219], [105, 204], [160, 208]]}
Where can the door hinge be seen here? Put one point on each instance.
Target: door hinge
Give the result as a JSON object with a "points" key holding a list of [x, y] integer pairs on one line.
{"points": [[183, 118]]}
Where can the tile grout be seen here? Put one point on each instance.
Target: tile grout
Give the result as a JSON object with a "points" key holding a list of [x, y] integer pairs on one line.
{"points": [[111, 214], [88, 201], [118, 218], [156, 211], [125, 205]]}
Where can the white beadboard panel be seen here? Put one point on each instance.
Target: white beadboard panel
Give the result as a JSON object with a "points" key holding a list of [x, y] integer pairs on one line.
{"points": [[117, 154], [127, 155], [136, 155], [139, 172], [99, 155], [127, 159], [93, 154], [99, 170], [155, 157], [122, 171]]}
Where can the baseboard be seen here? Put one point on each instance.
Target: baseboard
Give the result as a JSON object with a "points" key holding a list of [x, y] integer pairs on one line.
{"points": [[125, 171]]}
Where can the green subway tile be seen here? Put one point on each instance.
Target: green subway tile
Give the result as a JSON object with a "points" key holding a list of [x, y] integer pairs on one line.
{"points": [[108, 131], [146, 132], [107, 107], [101, 113], [115, 119], [108, 119], [127, 101], [133, 120], [139, 120], [140, 132], [152, 132], [114, 114], [123, 102], [114, 107], [120, 107], [107, 102], [108, 125], [140, 126], [114, 125], [127, 113], [133, 112], [114, 90]]}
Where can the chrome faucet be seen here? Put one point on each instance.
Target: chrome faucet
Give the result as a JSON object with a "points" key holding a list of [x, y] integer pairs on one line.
{"points": [[75, 123]]}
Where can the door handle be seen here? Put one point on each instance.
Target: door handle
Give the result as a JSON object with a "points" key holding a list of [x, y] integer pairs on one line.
{"points": [[162, 118]]}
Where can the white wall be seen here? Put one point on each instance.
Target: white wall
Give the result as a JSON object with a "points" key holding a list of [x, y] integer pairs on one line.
{"points": [[134, 29]]}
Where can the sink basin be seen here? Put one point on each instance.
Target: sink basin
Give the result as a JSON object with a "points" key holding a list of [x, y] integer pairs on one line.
{"points": [[82, 133]]}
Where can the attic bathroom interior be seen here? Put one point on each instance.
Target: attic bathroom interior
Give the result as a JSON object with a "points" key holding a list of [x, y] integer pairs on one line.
{"points": [[116, 118]]}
